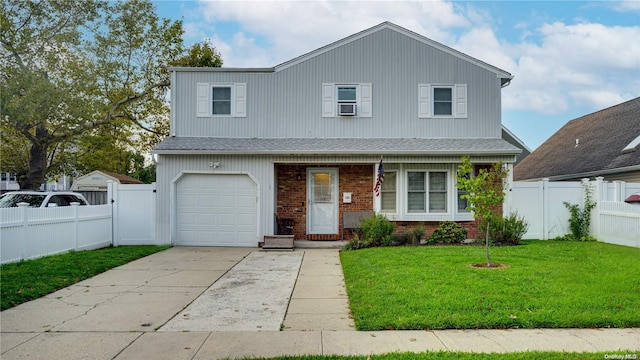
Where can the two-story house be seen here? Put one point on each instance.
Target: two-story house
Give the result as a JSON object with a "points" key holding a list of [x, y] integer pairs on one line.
{"points": [[303, 140]]}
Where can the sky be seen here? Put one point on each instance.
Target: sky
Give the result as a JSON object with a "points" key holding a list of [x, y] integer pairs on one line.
{"points": [[568, 58]]}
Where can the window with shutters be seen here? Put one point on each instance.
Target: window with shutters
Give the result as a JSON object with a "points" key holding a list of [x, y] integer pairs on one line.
{"points": [[442, 101], [221, 100], [346, 100]]}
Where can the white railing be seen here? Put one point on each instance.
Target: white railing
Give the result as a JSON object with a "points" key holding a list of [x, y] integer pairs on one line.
{"points": [[29, 233], [541, 204]]}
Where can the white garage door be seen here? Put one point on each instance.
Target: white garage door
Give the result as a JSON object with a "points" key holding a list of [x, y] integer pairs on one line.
{"points": [[216, 210]]}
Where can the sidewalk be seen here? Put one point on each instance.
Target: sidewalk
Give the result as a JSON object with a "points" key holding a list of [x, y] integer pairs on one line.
{"points": [[117, 314]]}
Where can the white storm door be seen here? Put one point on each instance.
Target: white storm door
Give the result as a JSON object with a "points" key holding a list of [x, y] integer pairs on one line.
{"points": [[322, 201]]}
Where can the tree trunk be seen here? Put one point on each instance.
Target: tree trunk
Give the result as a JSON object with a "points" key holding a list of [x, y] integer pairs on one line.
{"points": [[37, 161], [487, 245]]}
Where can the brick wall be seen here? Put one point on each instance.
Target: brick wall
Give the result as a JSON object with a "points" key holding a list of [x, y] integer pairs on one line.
{"points": [[291, 199], [430, 226]]}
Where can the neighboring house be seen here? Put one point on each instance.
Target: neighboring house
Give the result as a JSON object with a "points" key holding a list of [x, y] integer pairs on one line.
{"points": [[605, 143], [94, 185], [302, 140], [9, 182], [97, 181]]}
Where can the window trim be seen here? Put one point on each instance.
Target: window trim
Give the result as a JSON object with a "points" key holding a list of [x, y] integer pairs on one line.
{"points": [[395, 191], [231, 96], [434, 101]]}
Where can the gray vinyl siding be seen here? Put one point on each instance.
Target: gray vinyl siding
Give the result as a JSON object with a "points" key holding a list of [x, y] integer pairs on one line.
{"points": [[288, 103]]}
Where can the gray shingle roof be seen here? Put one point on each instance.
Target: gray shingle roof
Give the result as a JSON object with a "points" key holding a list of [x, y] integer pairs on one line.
{"points": [[208, 145], [601, 138]]}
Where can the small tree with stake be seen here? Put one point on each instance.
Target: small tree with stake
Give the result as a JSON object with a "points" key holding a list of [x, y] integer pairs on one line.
{"points": [[483, 192]]}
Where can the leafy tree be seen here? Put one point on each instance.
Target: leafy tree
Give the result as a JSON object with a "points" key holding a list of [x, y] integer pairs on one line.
{"points": [[484, 192], [200, 55], [70, 69]]}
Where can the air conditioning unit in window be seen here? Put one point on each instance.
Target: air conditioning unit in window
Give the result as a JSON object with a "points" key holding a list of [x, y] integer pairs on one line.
{"points": [[346, 109]]}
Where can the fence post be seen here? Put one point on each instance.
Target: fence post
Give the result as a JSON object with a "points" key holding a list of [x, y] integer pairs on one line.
{"points": [[75, 206], [154, 213], [25, 224], [598, 197], [112, 200], [620, 190], [543, 188]]}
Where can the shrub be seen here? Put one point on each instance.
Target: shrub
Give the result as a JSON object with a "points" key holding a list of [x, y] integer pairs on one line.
{"points": [[571, 237], [401, 238], [415, 235], [507, 231], [374, 231], [448, 232], [581, 218]]}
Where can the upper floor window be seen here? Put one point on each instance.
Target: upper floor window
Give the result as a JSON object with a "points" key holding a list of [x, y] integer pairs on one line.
{"points": [[442, 100], [346, 100], [221, 100]]}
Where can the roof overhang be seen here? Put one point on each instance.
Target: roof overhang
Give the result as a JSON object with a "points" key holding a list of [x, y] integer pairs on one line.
{"points": [[588, 174]]}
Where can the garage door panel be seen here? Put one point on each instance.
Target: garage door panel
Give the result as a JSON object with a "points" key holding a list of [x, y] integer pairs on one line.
{"points": [[227, 201], [227, 219], [216, 210]]}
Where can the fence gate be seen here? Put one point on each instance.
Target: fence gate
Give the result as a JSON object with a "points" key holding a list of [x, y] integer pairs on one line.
{"points": [[134, 217]]}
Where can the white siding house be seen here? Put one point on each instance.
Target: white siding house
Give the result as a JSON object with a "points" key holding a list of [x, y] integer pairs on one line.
{"points": [[302, 141]]}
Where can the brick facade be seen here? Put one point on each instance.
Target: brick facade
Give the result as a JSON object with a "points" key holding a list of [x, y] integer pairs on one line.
{"points": [[291, 199]]}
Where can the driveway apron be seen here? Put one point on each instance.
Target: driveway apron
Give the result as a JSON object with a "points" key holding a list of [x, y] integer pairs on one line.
{"points": [[252, 296]]}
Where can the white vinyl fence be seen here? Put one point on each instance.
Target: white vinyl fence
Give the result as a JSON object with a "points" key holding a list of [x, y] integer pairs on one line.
{"points": [[128, 219], [542, 205], [29, 233]]}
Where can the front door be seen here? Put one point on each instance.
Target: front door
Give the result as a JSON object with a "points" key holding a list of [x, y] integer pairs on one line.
{"points": [[322, 201]]}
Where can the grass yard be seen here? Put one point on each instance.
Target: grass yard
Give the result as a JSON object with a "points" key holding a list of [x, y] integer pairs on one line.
{"points": [[548, 284], [27, 280]]}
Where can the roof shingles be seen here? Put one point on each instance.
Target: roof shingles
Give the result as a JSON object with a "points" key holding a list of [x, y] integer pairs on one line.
{"points": [[334, 146], [588, 144]]}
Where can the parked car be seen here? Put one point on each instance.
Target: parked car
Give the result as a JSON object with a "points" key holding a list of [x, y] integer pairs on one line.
{"points": [[41, 199]]}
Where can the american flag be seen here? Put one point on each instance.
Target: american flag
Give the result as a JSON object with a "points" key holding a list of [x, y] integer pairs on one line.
{"points": [[379, 179]]}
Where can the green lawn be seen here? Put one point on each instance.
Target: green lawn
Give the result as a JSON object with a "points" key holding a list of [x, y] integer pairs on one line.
{"points": [[548, 284], [445, 355], [27, 280]]}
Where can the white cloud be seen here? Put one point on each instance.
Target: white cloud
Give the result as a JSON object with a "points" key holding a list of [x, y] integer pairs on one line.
{"points": [[557, 66], [582, 65], [626, 6], [292, 28]]}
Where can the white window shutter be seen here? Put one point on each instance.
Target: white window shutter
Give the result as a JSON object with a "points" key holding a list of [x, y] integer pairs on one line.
{"points": [[424, 100], [328, 100], [461, 101], [365, 109], [203, 103], [240, 100]]}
